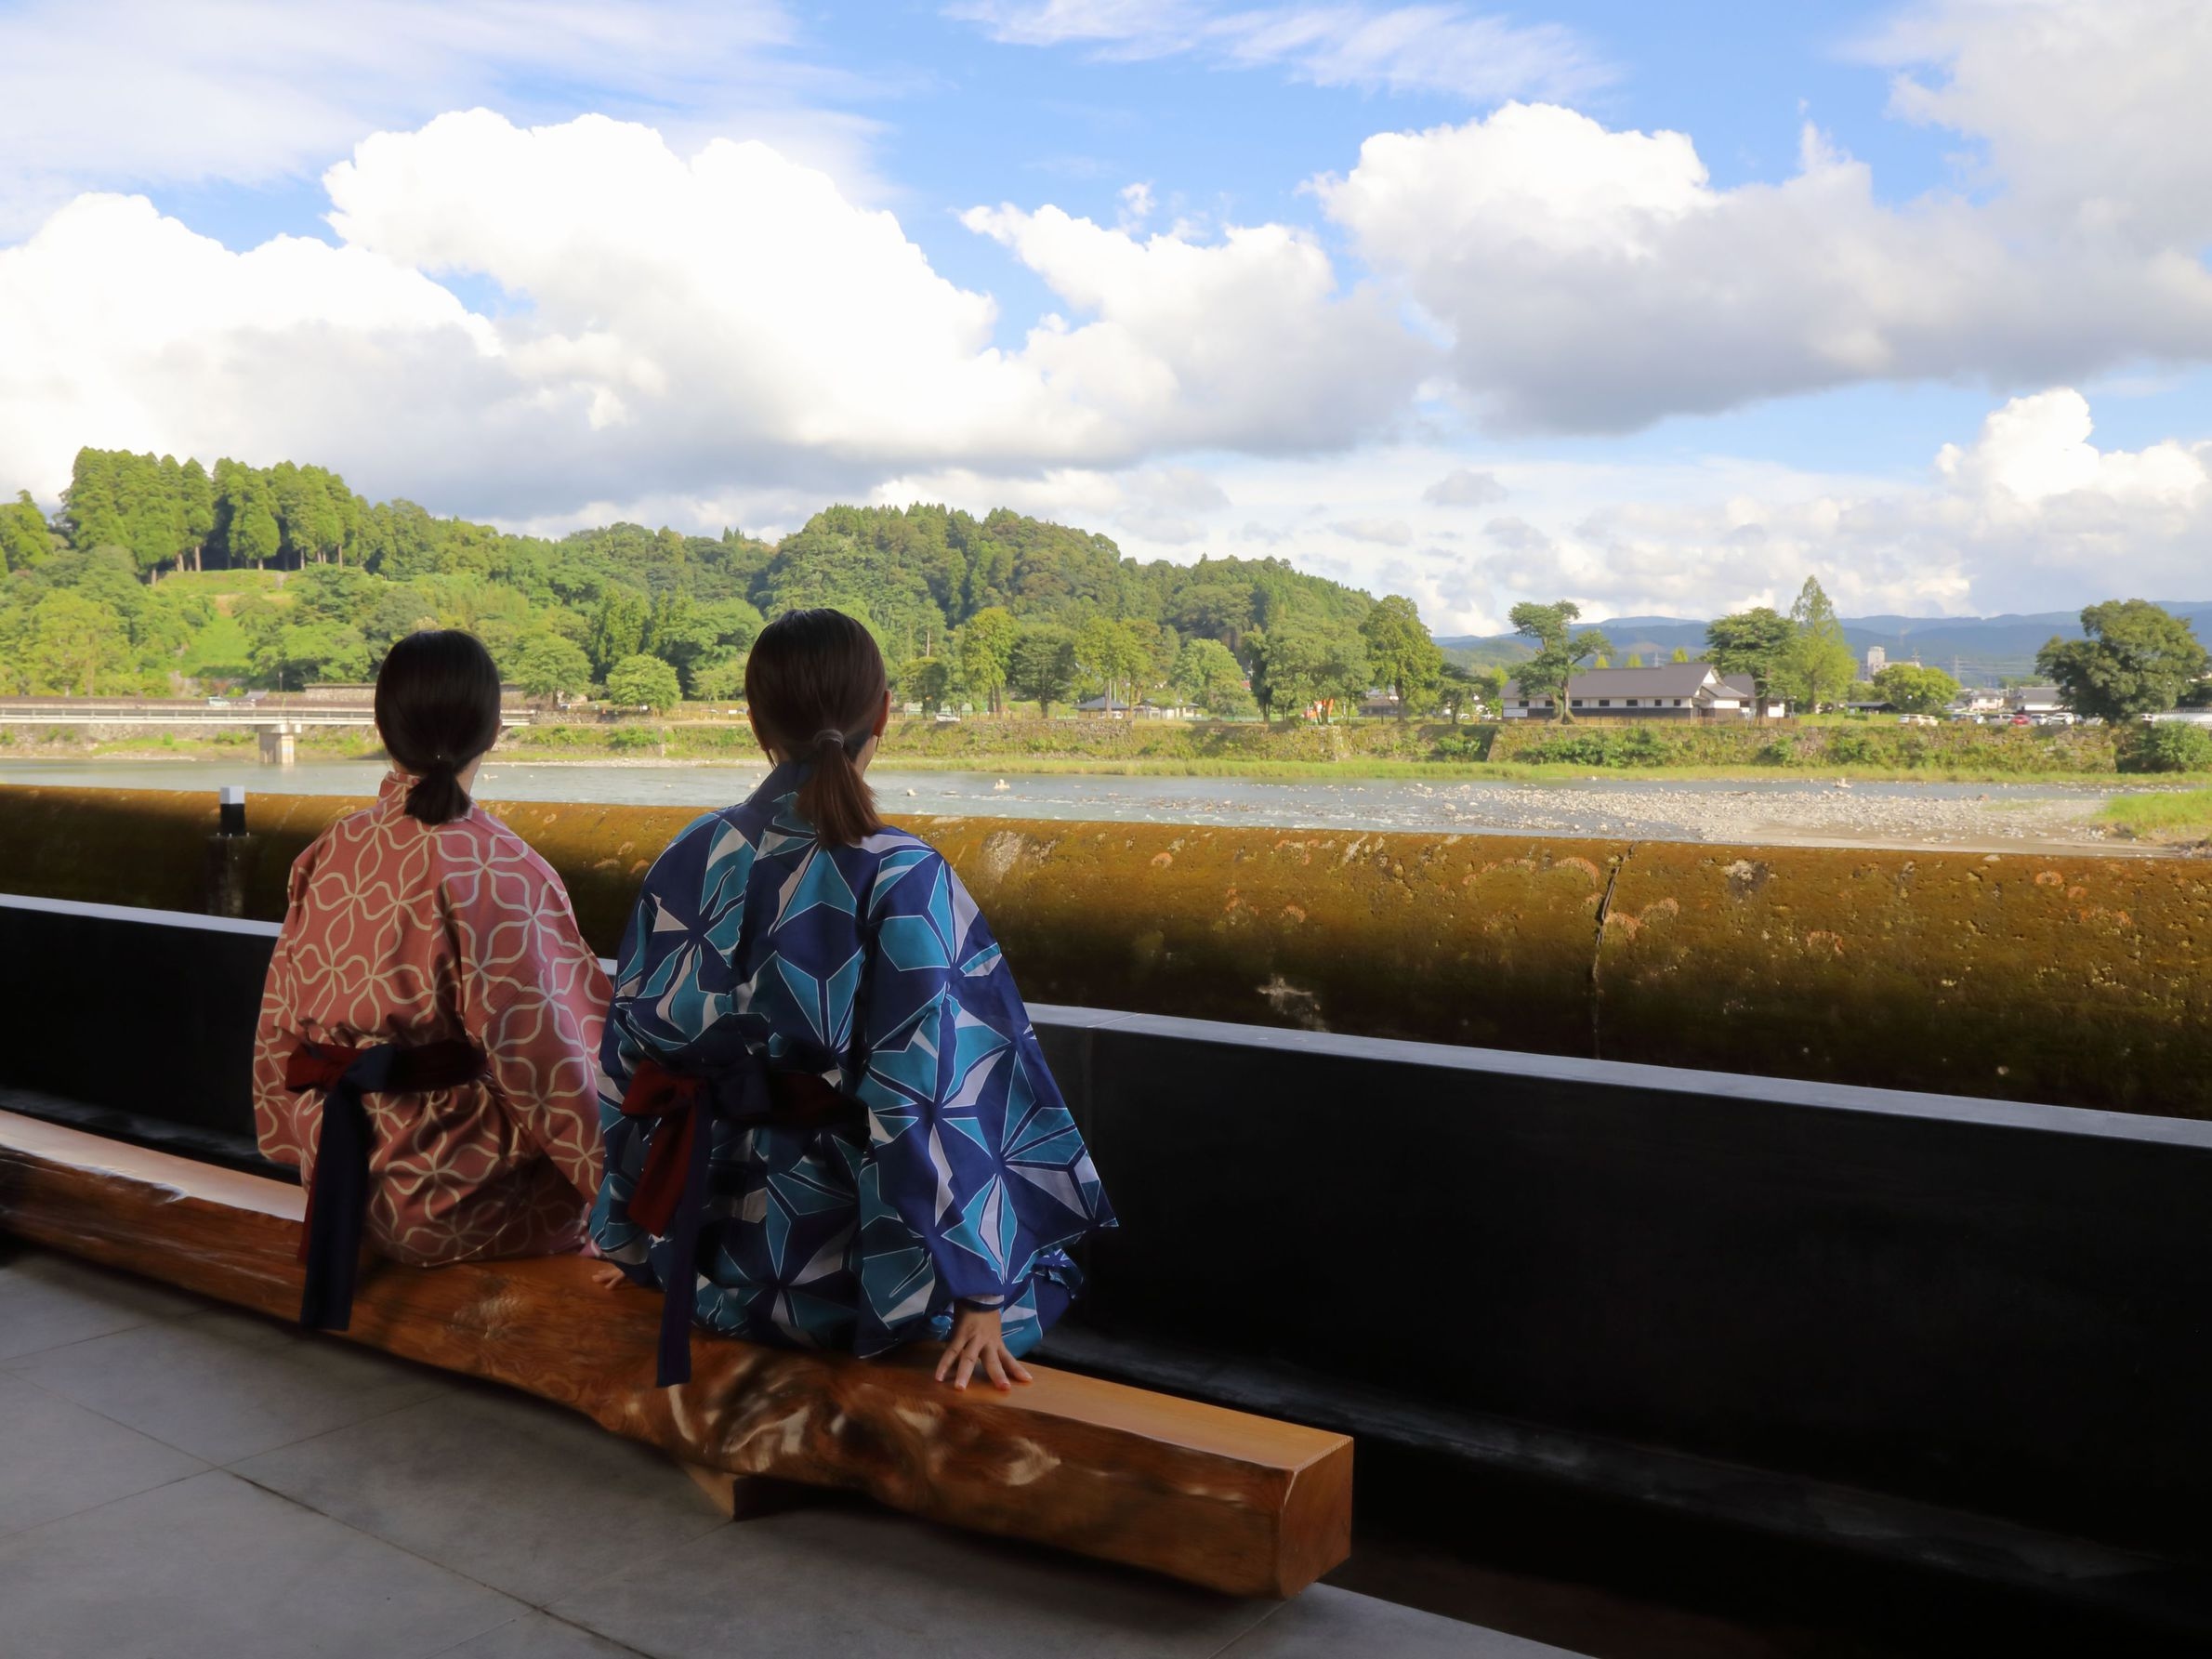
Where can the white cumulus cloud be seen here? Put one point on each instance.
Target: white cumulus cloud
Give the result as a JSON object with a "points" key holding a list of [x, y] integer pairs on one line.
{"points": [[127, 94], [1243, 341], [671, 324], [1597, 280], [2030, 515], [1462, 486], [2092, 113]]}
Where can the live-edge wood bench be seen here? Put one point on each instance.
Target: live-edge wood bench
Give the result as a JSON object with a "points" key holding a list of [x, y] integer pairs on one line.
{"points": [[1220, 1498]]}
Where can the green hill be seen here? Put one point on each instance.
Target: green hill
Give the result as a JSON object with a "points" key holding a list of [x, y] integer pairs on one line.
{"points": [[281, 576]]}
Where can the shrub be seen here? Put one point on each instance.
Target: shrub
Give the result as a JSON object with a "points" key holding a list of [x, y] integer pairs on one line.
{"points": [[625, 740], [2169, 747], [1639, 746], [1581, 748], [1850, 748], [1464, 745], [1778, 753]]}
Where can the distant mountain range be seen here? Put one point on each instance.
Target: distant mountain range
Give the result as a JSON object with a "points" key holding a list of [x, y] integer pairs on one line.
{"points": [[1976, 650]]}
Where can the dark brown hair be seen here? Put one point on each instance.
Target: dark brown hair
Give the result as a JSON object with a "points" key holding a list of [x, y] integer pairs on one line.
{"points": [[437, 709], [815, 684]]}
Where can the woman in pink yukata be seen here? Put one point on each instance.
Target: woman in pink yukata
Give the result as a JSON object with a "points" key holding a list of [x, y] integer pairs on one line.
{"points": [[428, 1046]]}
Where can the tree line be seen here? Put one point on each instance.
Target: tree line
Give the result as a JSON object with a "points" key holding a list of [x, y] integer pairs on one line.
{"points": [[987, 611], [2135, 658]]}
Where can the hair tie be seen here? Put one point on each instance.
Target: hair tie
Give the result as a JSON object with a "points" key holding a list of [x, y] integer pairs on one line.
{"points": [[829, 734]]}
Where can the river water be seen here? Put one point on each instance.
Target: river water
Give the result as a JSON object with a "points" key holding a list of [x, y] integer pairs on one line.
{"points": [[1788, 810]]}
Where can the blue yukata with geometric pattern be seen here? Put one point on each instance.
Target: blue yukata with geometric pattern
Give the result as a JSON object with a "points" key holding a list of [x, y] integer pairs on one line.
{"points": [[869, 968]]}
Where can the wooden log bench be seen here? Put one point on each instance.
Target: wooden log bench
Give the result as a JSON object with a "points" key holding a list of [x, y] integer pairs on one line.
{"points": [[1220, 1498]]}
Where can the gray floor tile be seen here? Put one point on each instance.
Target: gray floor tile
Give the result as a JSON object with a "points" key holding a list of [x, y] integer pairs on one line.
{"points": [[1329, 1624], [225, 1385], [538, 1637], [57, 1458], [212, 1567], [47, 1300], [522, 1495], [859, 1583]]}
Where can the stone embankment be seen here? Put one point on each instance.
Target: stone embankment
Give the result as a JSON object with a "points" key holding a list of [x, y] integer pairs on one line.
{"points": [[2070, 979]]}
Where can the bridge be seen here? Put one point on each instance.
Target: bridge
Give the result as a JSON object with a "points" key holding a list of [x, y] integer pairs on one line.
{"points": [[211, 712], [278, 722], [1638, 1357]]}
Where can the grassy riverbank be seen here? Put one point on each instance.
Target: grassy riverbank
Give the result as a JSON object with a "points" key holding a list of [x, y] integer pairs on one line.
{"points": [[1411, 750], [2169, 817]]}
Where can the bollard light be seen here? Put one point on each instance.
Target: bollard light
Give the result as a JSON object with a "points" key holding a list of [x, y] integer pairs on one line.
{"points": [[230, 854]]}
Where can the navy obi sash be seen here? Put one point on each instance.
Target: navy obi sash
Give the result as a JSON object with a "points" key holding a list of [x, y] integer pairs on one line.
{"points": [[338, 1198], [671, 1192]]}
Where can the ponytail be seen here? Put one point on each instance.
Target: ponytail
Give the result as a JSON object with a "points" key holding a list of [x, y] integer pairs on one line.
{"points": [[835, 798], [437, 797], [820, 672]]}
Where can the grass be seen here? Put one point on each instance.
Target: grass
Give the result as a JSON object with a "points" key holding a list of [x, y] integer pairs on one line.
{"points": [[1350, 770], [210, 583], [2168, 815]]}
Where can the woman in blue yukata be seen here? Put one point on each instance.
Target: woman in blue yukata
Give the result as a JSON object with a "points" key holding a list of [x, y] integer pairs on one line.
{"points": [[828, 1121]]}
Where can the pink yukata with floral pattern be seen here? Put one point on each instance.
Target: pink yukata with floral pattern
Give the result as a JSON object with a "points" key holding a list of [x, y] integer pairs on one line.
{"points": [[402, 932]]}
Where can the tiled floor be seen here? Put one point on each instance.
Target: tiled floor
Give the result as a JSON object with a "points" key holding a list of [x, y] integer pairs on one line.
{"points": [[178, 1479]]}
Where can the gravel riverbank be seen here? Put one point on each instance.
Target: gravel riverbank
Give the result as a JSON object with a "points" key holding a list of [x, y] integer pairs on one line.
{"points": [[1784, 810]]}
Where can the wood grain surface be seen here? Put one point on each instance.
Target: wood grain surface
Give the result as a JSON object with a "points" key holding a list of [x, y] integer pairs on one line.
{"points": [[1220, 1498]]}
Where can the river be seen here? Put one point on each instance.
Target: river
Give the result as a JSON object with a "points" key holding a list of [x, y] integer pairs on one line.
{"points": [[1780, 809]]}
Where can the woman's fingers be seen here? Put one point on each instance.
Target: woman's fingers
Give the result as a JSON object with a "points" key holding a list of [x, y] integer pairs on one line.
{"points": [[978, 1344]]}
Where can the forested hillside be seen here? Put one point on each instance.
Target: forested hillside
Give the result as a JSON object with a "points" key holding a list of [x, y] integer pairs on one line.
{"points": [[158, 577]]}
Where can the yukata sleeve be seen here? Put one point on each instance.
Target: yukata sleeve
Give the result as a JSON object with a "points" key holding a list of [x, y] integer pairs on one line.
{"points": [[672, 985], [278, 1133], [971, 1146], [532, 998]]}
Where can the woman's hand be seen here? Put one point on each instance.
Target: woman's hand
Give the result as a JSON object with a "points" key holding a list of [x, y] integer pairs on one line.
{"points": [[977, 1340]]}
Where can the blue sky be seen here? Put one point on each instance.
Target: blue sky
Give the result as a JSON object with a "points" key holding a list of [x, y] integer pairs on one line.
{"points": [[1963, 223]]}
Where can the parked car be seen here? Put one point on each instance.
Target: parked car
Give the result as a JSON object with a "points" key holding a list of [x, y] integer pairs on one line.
{"points": [[1917, 721], [2020, 720]]}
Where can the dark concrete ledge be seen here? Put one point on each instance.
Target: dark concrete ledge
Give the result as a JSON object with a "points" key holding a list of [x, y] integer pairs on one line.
{"points": [[1473, 1065]]}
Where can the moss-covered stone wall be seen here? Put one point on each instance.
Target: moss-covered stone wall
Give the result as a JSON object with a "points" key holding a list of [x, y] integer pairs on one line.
{"points": [[2078, 980]]}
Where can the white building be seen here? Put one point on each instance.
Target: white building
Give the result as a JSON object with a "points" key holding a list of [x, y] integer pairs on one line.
{"points": [[1876, 660], [1670, 690]]}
